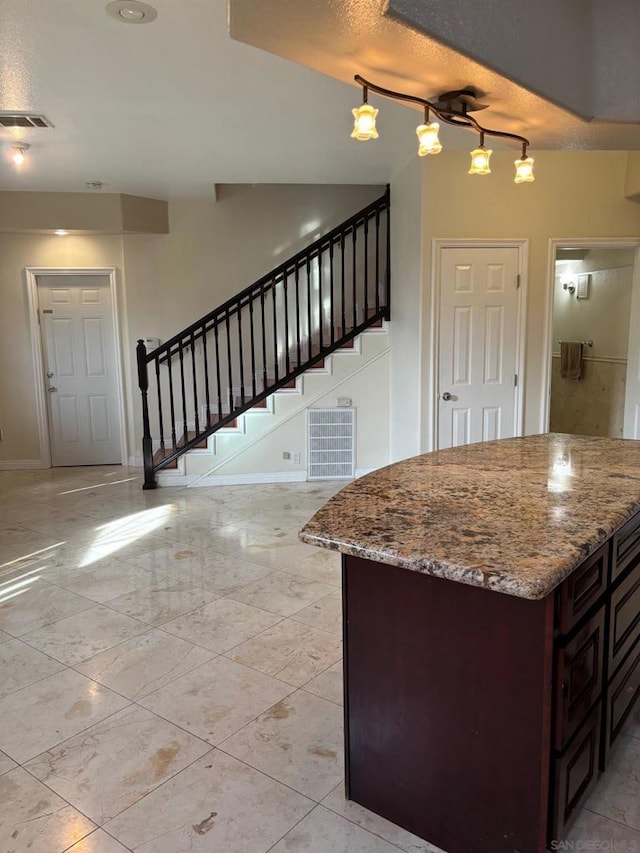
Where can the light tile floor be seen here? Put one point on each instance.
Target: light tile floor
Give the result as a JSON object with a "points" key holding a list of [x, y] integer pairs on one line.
{"points": [[170, 677]]}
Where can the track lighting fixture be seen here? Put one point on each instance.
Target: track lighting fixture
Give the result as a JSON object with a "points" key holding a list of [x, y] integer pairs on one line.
{"points": [[451, 108], [18, 151]]}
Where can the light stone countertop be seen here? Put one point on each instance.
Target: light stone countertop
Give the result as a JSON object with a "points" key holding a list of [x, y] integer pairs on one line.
{"points": [[514, 516]]}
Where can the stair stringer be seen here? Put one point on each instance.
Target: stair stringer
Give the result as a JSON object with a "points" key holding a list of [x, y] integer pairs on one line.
{"points": [[261, 430]]}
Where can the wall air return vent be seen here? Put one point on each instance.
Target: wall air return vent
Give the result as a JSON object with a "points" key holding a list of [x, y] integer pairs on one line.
{"points": [[23, 120], [331, 444]]}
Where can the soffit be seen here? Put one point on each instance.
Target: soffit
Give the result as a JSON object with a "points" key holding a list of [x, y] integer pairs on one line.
{"points": [[345, 37]]}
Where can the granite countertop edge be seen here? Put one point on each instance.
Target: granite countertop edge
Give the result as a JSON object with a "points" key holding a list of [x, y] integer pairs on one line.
{"points": [[404, 515]]}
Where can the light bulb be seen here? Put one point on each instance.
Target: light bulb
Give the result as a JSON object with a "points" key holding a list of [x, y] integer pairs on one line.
{"points": [[524, 170], [17, 154], [61, 232], [480, 161], [428, 142], [364, 125]]}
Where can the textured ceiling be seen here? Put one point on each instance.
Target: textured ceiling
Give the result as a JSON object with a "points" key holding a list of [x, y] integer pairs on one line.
{"points": [[174, 106], [373, 38]]}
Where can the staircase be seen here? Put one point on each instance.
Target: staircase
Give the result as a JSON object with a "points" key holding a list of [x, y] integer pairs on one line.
{"points": [[259, 341]]}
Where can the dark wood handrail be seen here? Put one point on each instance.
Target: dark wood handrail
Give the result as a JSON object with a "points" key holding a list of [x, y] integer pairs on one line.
{"points": [[276, 276]]}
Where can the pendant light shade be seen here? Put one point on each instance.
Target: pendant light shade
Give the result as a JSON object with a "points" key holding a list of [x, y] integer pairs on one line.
{"points": [[428, 142], [364, 122]]}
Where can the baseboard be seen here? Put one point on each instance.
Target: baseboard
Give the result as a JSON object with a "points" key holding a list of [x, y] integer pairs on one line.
{"points": [[20, 464], [136, 461], [249, 479]]}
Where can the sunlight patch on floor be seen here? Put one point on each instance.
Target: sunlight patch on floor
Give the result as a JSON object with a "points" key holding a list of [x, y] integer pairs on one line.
{"points": [[124, 531]]}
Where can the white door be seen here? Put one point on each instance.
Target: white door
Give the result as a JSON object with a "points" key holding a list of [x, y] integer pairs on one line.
{"points": [[478, 345], [77, 324]]}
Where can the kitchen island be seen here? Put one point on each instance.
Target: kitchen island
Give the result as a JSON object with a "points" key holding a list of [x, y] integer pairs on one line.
{"points": [[492, 634]]}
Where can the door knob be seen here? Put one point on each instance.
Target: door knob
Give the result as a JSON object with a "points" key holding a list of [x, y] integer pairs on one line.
{"points": [[51, 388], [446, 396], [49, 374]]}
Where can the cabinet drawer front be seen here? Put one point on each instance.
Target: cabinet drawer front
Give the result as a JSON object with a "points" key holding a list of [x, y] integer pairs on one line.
{"points": [[626, 546], [625, 619], [583, 588], [579, 677], [575, 773], [623, 693]]}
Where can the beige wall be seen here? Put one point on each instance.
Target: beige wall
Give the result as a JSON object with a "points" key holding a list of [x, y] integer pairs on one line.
{"points": [[18, 416], [213, 250], [575, 194]]}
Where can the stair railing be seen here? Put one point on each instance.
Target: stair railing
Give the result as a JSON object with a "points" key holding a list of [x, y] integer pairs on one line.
{"points": [[262, 338]]}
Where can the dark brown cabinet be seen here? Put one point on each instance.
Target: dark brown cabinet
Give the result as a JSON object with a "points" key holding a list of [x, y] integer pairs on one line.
{"points": [[459, 700]]}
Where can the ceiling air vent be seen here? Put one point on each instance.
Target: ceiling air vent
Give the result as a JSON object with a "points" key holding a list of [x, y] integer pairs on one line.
{"points": [[23, 120]]}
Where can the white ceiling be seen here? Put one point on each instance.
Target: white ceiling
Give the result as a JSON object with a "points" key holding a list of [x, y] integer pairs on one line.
{"points": [[172, 107]]}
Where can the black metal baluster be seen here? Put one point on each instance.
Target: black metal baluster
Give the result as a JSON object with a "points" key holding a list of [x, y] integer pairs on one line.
{"points": [[185, 433], [206, 373], [333, 322], [239, 312], [160, 418], [387, 315], [297, 283], [285, 291], [320, 305], [253, 348], [377, 259], [195, 383], [343, 316], [229, 367], [275, 328], [366, 268], [355, 295], [218, 381], [172, 407], [309, 328], [264, 340]]}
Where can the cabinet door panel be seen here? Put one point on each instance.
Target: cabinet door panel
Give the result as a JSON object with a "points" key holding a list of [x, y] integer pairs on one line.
{"points": [[623, 694], [583, 588], [626, 546], [579, 677], [625, 619], [575, 775]]}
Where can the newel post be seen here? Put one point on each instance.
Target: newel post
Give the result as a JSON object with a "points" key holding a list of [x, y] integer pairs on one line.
{"points": [[147, 448]]}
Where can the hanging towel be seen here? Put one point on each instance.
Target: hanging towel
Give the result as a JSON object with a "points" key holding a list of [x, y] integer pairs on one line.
{"points": [[570, 360]]}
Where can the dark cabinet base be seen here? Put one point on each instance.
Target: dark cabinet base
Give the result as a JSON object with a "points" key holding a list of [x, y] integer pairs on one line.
{"points": [[448, 716], [479, 721]]}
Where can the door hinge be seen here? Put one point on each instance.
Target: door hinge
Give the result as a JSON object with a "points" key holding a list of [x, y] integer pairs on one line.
{"points": [[518, 281], [515, 380]]}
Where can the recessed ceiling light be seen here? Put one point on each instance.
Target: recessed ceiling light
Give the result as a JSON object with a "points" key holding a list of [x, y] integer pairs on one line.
{"points": [[61, 232], [131, 11]]}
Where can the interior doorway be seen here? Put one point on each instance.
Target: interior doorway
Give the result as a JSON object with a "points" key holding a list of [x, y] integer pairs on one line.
{"points": [[594, 308], [77, 366]]}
